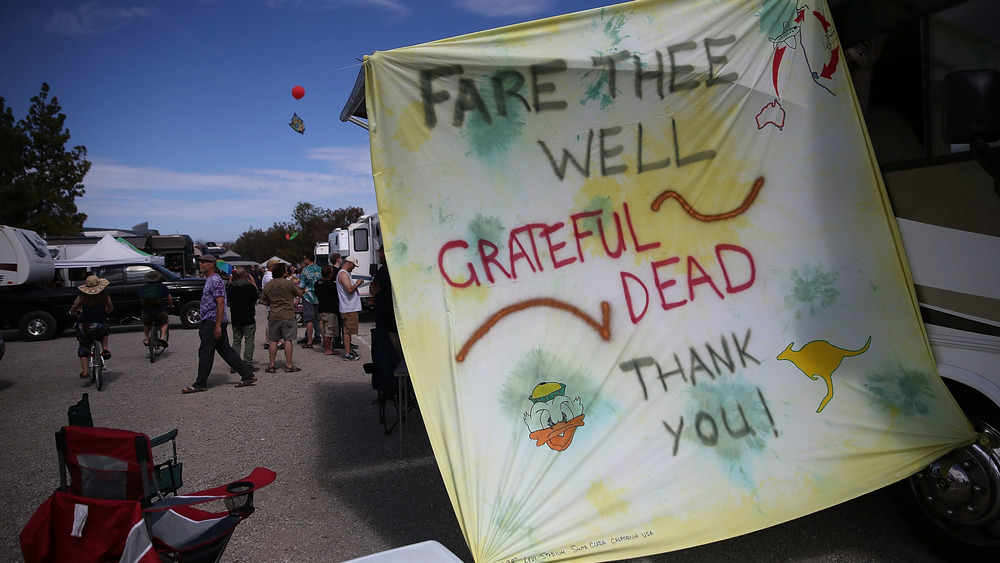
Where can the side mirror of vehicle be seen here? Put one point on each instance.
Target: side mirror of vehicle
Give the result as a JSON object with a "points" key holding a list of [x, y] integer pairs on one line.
{"points": [[972, 115]]}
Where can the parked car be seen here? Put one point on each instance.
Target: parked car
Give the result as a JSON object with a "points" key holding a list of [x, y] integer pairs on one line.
{"points": [[40, 313]]}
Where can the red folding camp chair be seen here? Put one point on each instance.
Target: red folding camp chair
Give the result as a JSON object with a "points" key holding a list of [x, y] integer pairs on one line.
{"points": [[109, 508]]}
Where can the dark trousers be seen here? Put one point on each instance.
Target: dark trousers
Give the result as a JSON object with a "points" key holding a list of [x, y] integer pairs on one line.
{"points": [[209, 346]]}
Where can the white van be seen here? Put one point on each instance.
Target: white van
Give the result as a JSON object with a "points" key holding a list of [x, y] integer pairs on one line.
{"points": [[24, 257]]}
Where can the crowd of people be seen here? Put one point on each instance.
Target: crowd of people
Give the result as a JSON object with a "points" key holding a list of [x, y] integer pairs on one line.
{"points": [[327, 296]]}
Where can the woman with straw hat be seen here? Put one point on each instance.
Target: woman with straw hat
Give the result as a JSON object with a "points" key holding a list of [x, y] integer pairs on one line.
{"points": [[94, 306]]}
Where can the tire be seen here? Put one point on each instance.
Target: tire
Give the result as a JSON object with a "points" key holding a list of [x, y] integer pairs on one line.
{"points": [[153, 330], [97, 366], [954, 503], [190, 314], [38, 325]]}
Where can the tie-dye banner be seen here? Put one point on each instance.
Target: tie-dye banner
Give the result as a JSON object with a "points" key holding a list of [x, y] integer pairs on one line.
{"points": [[647, 279]]}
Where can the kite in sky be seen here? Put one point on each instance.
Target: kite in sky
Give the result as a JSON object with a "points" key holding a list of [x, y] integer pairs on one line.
{"points": [[297, 124]]}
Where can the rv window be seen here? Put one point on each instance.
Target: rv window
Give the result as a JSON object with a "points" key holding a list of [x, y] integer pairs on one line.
{"points": [[361, 240], [904, 107]]}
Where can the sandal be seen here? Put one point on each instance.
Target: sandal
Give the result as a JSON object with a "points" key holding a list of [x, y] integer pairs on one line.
{"points": [[270, 370], [247, 382], [145, 343], [106, 354], [193, 389], [307, 345], [293, 369], [83, 375]]}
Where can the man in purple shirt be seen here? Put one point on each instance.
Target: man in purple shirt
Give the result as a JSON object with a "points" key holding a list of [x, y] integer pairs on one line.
{"points": [[212, 331]]}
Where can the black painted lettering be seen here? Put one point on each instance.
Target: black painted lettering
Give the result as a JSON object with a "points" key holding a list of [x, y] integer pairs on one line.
{"points": [[664, 375], [643, 166], [539, 88], [711, 438], [607, 153], [741, 350], [703, 155], [427, 93], [655, 75], [560, 168], [740, 432], [610, 68], [696, 366], [675, 69], [727, 360], [468, 100], [676, 435], [718, 61], [635, 365], [507, 84]]}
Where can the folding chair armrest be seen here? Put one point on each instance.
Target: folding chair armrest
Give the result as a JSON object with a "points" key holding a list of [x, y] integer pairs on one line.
{"points": [[260, 477], [163, 439]]}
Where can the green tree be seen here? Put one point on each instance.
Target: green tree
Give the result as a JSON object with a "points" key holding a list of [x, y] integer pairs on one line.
{"points": [[39, 179], [312, 223]]}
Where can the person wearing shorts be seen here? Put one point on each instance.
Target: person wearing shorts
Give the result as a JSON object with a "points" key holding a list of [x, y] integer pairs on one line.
{"points": [[311, 274], [156, 299], [94, 306], [280, 294], [329, 308], [350, 305]]}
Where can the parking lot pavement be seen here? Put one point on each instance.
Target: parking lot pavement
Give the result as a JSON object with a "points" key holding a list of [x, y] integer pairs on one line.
{"points": [[342, 490]]}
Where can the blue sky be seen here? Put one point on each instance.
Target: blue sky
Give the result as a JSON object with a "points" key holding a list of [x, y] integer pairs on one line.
{"points": [[184, 105]]}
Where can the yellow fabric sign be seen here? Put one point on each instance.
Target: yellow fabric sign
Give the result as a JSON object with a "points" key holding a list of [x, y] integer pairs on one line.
{"points": [[647, 278]]}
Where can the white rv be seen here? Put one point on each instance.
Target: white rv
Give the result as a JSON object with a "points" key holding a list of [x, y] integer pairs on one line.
{"points": [[24, 257], [361, 240]]}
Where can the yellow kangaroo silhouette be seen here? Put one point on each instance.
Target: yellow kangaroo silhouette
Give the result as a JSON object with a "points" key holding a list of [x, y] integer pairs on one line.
{"points": [[820, 359]]}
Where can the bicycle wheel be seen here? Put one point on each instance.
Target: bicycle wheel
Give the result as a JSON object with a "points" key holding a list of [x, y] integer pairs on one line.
{"points": [[153, 331], [98, 360], [92, 365]]}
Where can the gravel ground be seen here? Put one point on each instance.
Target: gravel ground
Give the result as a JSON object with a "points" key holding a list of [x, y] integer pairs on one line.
{"points": [[342, 489]]}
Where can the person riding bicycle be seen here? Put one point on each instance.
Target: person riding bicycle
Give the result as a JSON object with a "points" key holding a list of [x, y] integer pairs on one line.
{"points": [[156, 299], [94, 323]]}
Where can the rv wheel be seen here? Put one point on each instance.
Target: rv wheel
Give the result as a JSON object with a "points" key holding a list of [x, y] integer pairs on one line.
{"points": [[38, 325], [954, 503]]}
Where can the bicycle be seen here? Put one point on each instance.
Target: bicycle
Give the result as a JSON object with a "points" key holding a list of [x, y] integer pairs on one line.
{"points": [[96, 366], [155, 344]]}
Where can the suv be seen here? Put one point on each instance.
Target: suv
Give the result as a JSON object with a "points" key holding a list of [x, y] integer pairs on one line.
{"points": [[42, 313]]}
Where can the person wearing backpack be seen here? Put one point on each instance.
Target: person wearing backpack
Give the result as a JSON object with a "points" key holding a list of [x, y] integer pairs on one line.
{"points": [[156, 299]]}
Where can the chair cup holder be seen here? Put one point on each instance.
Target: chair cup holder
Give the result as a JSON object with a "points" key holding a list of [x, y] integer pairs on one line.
{"points": [[241, 504]]}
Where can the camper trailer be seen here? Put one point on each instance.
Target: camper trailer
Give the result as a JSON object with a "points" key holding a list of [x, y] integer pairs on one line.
{"points": [[24, 258], [361, 240]]}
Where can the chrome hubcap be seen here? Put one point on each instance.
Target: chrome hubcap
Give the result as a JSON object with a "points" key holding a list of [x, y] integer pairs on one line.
{"points": [[959, 491]]}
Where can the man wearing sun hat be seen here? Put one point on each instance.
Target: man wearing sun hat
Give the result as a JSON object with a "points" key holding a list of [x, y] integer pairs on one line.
{"points": [[212, 330]]}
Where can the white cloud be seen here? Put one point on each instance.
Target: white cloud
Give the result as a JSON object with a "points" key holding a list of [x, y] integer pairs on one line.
{"points": [[353, 159], [222, 205], [495, 8], [92, 18]]}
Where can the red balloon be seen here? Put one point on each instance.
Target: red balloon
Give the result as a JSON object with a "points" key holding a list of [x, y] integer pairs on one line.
{"points": [[298, 92]]}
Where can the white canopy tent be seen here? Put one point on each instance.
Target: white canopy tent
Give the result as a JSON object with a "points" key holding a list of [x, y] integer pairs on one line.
{"points": [[108, 251]]}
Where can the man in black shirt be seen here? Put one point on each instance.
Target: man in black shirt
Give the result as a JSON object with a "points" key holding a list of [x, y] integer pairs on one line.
{"points": [[329, 308], [242, 294]]}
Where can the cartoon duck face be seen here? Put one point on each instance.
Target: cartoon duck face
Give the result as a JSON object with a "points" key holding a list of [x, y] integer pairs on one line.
{"points": [[553, 417]]}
